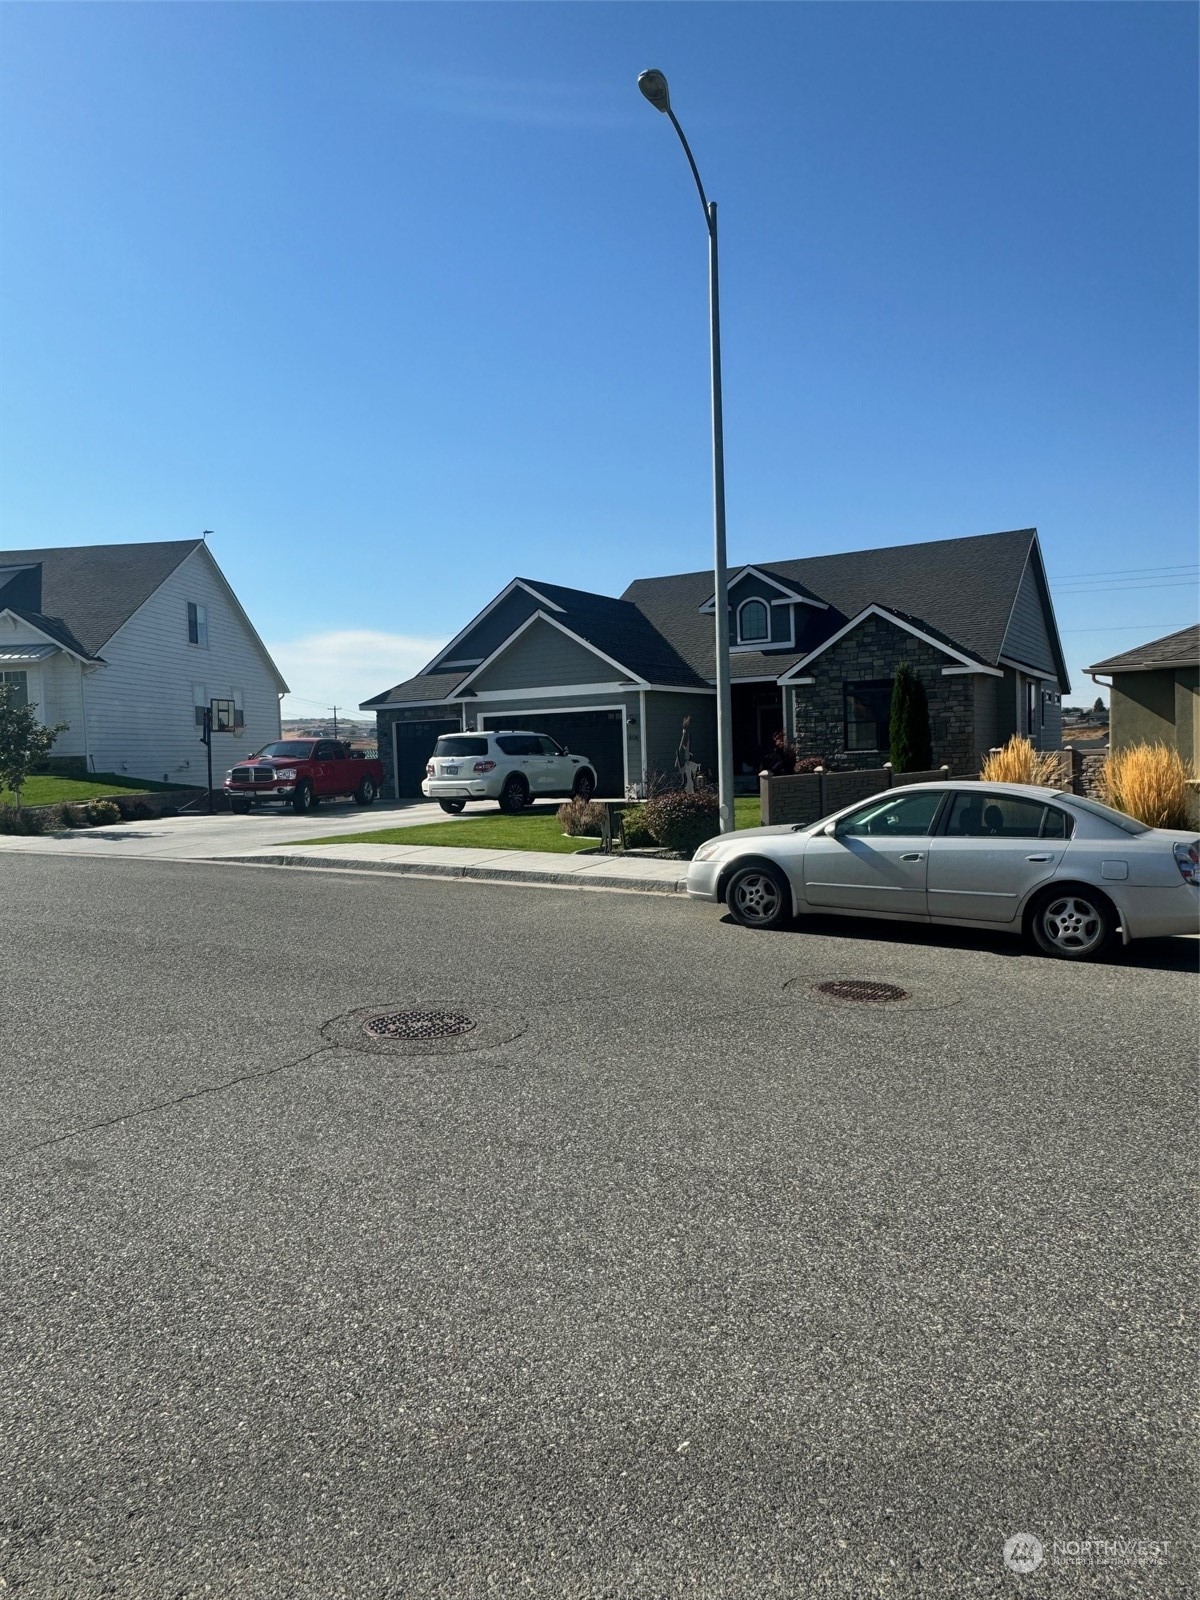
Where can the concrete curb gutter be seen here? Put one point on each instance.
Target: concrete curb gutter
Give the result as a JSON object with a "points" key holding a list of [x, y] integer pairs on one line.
{"points": [[590, 879]]}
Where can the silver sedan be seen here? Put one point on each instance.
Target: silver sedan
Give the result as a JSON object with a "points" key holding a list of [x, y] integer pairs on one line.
{"points": [[1066, 872]]}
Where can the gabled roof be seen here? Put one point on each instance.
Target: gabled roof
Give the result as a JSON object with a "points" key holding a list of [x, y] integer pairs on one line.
{"points": [[964, 588], [914, 625], [53, 628], [787, 591], [1180, 649], [95, 588]]}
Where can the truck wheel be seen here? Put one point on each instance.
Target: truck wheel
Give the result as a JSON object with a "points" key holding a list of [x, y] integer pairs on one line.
{"points": [[242, 807], [364, 795], [303, 799], [452, 806]]}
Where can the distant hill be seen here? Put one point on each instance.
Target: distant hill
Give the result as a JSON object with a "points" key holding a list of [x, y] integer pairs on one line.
{"points": [[323, 728]]}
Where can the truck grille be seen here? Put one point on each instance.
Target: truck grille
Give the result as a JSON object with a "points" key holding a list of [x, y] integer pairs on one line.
{"points": [[253, 775]]}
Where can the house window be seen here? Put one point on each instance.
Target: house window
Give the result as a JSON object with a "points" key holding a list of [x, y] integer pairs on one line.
{"points": [[199, 701], [753, 622], [17, 684], [197, 624], [868, 715], [239, 715]]}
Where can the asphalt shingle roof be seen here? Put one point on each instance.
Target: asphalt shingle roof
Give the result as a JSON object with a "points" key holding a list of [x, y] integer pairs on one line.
{"points": [[92, 589], [622, 631], [425, 686], [1180, 649]]}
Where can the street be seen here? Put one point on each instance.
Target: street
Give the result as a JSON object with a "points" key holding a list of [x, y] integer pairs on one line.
{"points": [[667, 1276]]}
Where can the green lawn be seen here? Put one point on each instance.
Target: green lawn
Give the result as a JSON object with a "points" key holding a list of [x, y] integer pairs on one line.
{"points": [[533, 830], [46, 789]]}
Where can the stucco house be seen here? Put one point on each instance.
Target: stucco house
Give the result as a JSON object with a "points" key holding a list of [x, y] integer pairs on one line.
{"points": [[814, 647], [1155, 693], [126, 644]]}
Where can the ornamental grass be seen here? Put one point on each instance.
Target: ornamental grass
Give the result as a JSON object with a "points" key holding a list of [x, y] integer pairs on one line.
{"points": [[1149, 782], [1019, 762]]}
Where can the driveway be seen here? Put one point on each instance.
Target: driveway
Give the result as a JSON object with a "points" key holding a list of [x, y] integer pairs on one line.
{"points": [[199, 837]]}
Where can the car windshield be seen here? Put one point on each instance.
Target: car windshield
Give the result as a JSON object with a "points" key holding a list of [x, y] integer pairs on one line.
{"points": [[1107, 814], [289, 749], [461, 747]]}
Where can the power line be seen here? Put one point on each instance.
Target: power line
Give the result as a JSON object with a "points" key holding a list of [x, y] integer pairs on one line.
{"points": [[1131, 627], [1122, 572]]}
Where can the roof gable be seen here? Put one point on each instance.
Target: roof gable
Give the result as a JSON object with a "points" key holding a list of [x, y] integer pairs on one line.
{"points": [[962, 659], [94, 589], [788, 593], [574, 659]]}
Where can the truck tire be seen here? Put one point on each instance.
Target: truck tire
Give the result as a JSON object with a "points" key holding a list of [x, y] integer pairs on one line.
{"points": [[364, 795], [304, 799]]}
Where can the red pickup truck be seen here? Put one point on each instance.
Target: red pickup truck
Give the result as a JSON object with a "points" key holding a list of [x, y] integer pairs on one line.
{"points": [[304, 772]]}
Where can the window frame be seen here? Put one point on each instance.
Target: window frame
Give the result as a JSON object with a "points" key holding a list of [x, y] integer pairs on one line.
{"points": [[882, 725], [742, 637], [197, 624], [10, 675]]}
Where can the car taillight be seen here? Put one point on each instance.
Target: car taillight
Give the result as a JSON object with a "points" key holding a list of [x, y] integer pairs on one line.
{"points": [[1187, 859], [484, 766], [429, 772]]}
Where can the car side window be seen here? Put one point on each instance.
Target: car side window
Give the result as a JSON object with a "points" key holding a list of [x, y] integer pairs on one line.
{"points": [[894, 816], [1005, 816], [519, 744], [509, 745], [326, 751], [548, 746]]}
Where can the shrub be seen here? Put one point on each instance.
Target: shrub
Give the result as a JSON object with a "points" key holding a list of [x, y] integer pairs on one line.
{"points": [[581, 818], [811, 764], [76, 817], [23, 822], [908, 730], [681, 821], [133, 810], [1149, 782], [634, 830], [1019, 762], [102, 812]]}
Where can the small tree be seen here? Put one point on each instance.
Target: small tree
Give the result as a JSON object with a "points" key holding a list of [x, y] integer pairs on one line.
{"points": [[1099, 705], [24, 742], [908, 731]]}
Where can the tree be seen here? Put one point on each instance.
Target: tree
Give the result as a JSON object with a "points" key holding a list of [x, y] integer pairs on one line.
{"points": [[1099, 706], [24, 742], [908, 731]]}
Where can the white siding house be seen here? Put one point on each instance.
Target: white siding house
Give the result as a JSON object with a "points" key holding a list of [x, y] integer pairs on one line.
{"points": [[127, 644]]}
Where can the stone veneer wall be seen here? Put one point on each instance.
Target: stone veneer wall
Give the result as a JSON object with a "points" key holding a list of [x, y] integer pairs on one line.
{"points": [[874, 650]]}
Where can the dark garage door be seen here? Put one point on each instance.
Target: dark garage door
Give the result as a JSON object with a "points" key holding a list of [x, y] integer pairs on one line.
{"points": [[599, 735], [414, 746]]}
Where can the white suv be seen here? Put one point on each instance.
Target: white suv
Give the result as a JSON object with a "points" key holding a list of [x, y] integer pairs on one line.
{"points": [[512, 767]]}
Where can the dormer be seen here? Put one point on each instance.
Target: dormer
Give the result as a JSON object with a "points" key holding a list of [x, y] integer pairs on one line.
{"points": [[764, 610]]}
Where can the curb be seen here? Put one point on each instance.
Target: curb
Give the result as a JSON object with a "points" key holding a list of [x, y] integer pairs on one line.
{"points": [[481, 874]]}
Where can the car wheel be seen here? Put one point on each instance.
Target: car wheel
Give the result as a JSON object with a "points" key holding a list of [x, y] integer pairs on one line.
{"points": [[758, 896], [1073, 924], [585, 786], [303, 799], [514, 796], [452, 806], [364, 795], [241, 807]]}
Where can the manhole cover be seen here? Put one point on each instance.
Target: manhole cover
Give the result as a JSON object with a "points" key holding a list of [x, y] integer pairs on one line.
{"points": [[879, 994], [418, 1025]]}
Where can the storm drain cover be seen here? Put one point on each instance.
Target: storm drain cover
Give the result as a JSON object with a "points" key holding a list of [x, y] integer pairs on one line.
{"points": [[860, 989], [418, 1025], [423, 1025]]}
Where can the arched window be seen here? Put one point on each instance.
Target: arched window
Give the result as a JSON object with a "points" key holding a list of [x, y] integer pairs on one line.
{"points": [[753, 622]]}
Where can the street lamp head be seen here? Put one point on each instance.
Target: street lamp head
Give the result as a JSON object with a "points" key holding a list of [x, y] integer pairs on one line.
{"points": [[653, 85]]}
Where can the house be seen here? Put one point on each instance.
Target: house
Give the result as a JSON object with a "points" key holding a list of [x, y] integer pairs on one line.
{"points": [[1155, 693], [126, 644], [814, 646]]}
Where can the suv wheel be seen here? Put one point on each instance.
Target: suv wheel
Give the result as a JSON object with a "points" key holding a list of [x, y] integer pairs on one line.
{"points": [[514, 796], [452, 806], [585, 785]]}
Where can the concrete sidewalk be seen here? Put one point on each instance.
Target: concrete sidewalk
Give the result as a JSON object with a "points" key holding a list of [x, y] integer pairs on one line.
{"points": [[490, 866]]}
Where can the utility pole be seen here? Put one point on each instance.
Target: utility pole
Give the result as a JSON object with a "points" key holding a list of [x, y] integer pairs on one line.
{"points": [[334, 710]]}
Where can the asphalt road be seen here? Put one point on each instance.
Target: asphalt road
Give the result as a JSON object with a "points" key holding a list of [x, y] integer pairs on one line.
{"points": [[680, 1281]]}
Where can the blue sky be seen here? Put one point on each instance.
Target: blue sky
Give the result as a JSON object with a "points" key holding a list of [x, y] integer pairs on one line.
{"points": [[403, 300]]}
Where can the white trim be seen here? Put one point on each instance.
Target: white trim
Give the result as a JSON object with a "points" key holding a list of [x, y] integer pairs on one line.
{"points": [[402, 705], [42, 634], [983, 672], [736, 681], [878, 611], [475, 663], [790, 597], [562, 711], [542, 616], [683, 688], [555, 692], [517, 583], [1029, 670], [793, 681]]}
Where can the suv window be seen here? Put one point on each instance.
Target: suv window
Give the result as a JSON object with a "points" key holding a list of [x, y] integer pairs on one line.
{"points": [[519, 744], [452, 746], [548, 746]]}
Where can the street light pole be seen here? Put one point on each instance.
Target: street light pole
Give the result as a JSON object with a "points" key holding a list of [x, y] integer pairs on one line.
{"points": [[654, 86]]}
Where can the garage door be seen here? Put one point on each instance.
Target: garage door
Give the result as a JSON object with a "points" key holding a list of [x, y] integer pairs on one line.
{"points": [[598, 735], [414, 746]]}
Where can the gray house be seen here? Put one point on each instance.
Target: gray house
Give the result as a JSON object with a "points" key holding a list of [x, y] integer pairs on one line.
{"points": [[814, 646]]}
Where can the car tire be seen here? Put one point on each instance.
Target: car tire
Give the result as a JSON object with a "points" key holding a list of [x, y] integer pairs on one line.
{"points": [[364, 795], [240, 808], [585, 785], [452, 806], [514, 796], [1072, 922], [758, 896], [304, 799]]}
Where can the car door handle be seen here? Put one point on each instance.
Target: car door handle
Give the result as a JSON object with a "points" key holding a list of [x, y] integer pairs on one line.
{"points": [[1039, 858], [913, 855]]}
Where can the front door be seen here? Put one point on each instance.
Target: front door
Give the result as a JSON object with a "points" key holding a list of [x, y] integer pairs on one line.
{"points": [[877, 858]]}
